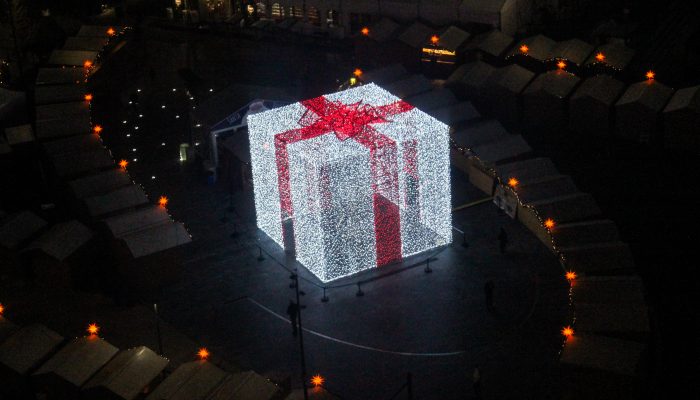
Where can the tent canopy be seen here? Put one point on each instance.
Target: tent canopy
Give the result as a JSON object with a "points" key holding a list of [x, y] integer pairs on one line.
{"points": [[568, 208], [385, 75], [494, 43], [62, 239], [74, 164], [586, 232], [55, 76], [156, 238], [384, 30], [145, 218], [555, 83], [526, 170], [649, 94], [453, 38], [505, 148], [193, 381], [573, 50], [480, 133], [545, 188], [85, 43], [19, 227], [28, 346], [539, 47], [76, 362], [71, 58], [11, 101], [416, 35], [411, 86], [456, 113], [513, 78], [128, 373], [685, 99], [62, 110], [433, 99], [616, 54], [601, 88], [99, 183], [59, 94], [122, 198], [245, 386]]}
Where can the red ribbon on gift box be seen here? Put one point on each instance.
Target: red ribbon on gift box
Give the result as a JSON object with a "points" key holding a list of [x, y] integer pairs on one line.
{"points": [[352, 121]]}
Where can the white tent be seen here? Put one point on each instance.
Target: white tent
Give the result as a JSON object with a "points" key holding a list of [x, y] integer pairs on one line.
{"points": [[71, 58], [99, 183], [72, 145], [603, 353], [546, 187], [479, 133], [573, 50], [126, 375], [591, 105], [577, 233], [453, 38], [597, 258], [73, 165], [434, 99], [527, 170], [56, 76], [638, 111], [469, 80], [384, 30], [245, 386], [127, 197], [74, 364], [545, 100], [616, 55], [145, 218], [156, 238], [493, 44], [682, 119], [27, 347], [539, 49], [192, 381], [500, 14], [456, 115], [502, 150], [502, 92], [59, 94]]}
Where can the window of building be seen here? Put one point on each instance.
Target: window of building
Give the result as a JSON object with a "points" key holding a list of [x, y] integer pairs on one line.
{"points": [[277, 11], [313, 15], [332, 18], [296, 12]]}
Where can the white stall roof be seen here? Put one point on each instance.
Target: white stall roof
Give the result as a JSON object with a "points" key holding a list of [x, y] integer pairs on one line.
{"points": [[7, 328], [545, 188], [385, 75], [119, 199], [513, 78], [78, 124], [95, 30], [384, 30], [99, 183], [601, 88], [568, 208], [556, 83], [503, 149], [59, 93], [416, 35], [10, 102], [62, 239], [85, 43], [156, 238], [526, 170], [413, 85], [190, 381], [16, 228], [75, 144], [539, 47], [77, 361], [473, 75], [574, 50], [58, 75], [684, 99], [616, 54], [245, 386], [433, 99], [71, 58], [456, 113], [62, 110], [494, 43], [19, 134], [453, 38], [480, 133], [128, 373], [28, 346], [144, 218], [603, 353], [584, 232], [73, 164], [650, 94]]}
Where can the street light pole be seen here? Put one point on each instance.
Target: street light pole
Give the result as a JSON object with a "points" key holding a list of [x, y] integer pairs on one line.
{"points": [[301, 339]]}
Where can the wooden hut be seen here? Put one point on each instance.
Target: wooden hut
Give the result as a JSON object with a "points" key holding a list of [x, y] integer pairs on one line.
{"points": [[499, 14], [573, 52], [545, 101], [592, 104], [60, 76], [490, 46], [385, 75], [62, 375], [99, 184], [126, 376], [456, 115], [682, 119], [469, 80], [502, 93], [193, 381], [61, 255], [62, 119], [384, 30], [638, 111], [77, 164], [17, 230], [94, 31], [85, 43], [533, 52], [411, 86], [247, 385], [612, 57], [20, 354], [411, 41], [64, 93], [124, 198], [71, 58], [434, 99]]}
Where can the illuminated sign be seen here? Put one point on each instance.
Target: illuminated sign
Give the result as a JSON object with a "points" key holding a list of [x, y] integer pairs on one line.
{"points": [[438, 52]]}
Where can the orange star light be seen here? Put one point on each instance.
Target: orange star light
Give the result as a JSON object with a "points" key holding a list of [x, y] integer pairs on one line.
{"points": [[513, 182], [434, 39], [2, 309], [549, 223], [571, 275], [88, 97], [97, 129], [317, 380], [87, 64], [163, 201], [561, 64], [93, 329], [123, 164], [568, 331], [524, 49], [111, 31], [203, 353], [357, 72], [600, 57], [365, 31], [650, 75]]}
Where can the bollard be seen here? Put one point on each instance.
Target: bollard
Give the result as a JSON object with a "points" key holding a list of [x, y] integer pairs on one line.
{"points": [[324, 299], [359, 293], [427, 266], [260, 254]]}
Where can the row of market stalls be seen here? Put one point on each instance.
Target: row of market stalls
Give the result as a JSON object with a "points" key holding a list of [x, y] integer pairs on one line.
{"points": [[645, 111], [111, 213], [610, 332], [37, 361]]}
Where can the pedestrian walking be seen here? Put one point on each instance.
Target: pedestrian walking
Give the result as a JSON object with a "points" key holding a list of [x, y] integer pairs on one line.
{"points": [[293, 312], [476, 382], [489, 287], [503, 240]]}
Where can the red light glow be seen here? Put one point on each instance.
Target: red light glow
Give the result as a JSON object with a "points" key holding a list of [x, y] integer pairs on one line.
{"points": [[111, 31], [600, 57], [87, 64], [88, 97], [357, 72], [434, 39]]}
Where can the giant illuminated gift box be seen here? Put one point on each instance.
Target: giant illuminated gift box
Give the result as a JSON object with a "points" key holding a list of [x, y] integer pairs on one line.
{"points": [[363, 177]]}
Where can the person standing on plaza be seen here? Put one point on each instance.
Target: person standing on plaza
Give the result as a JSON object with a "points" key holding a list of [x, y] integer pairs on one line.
{"points": [[293, 312]]}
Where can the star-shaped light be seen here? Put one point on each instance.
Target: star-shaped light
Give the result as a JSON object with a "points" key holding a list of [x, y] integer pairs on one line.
{"points": [[434, 39], [87, 64], [317, 380], [600, 57], [650, 75], [97, 129], [123, 164], [365, 31], [561, 64], [203, 353], [567, 331], [513, 182], [549, 223], [111, 31], [163, 201], [570, 275], [93, 329], [88, 97], [524, 49]]}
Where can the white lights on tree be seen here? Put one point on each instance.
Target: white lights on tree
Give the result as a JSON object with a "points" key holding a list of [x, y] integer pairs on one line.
{"points": [[359, 178]]}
